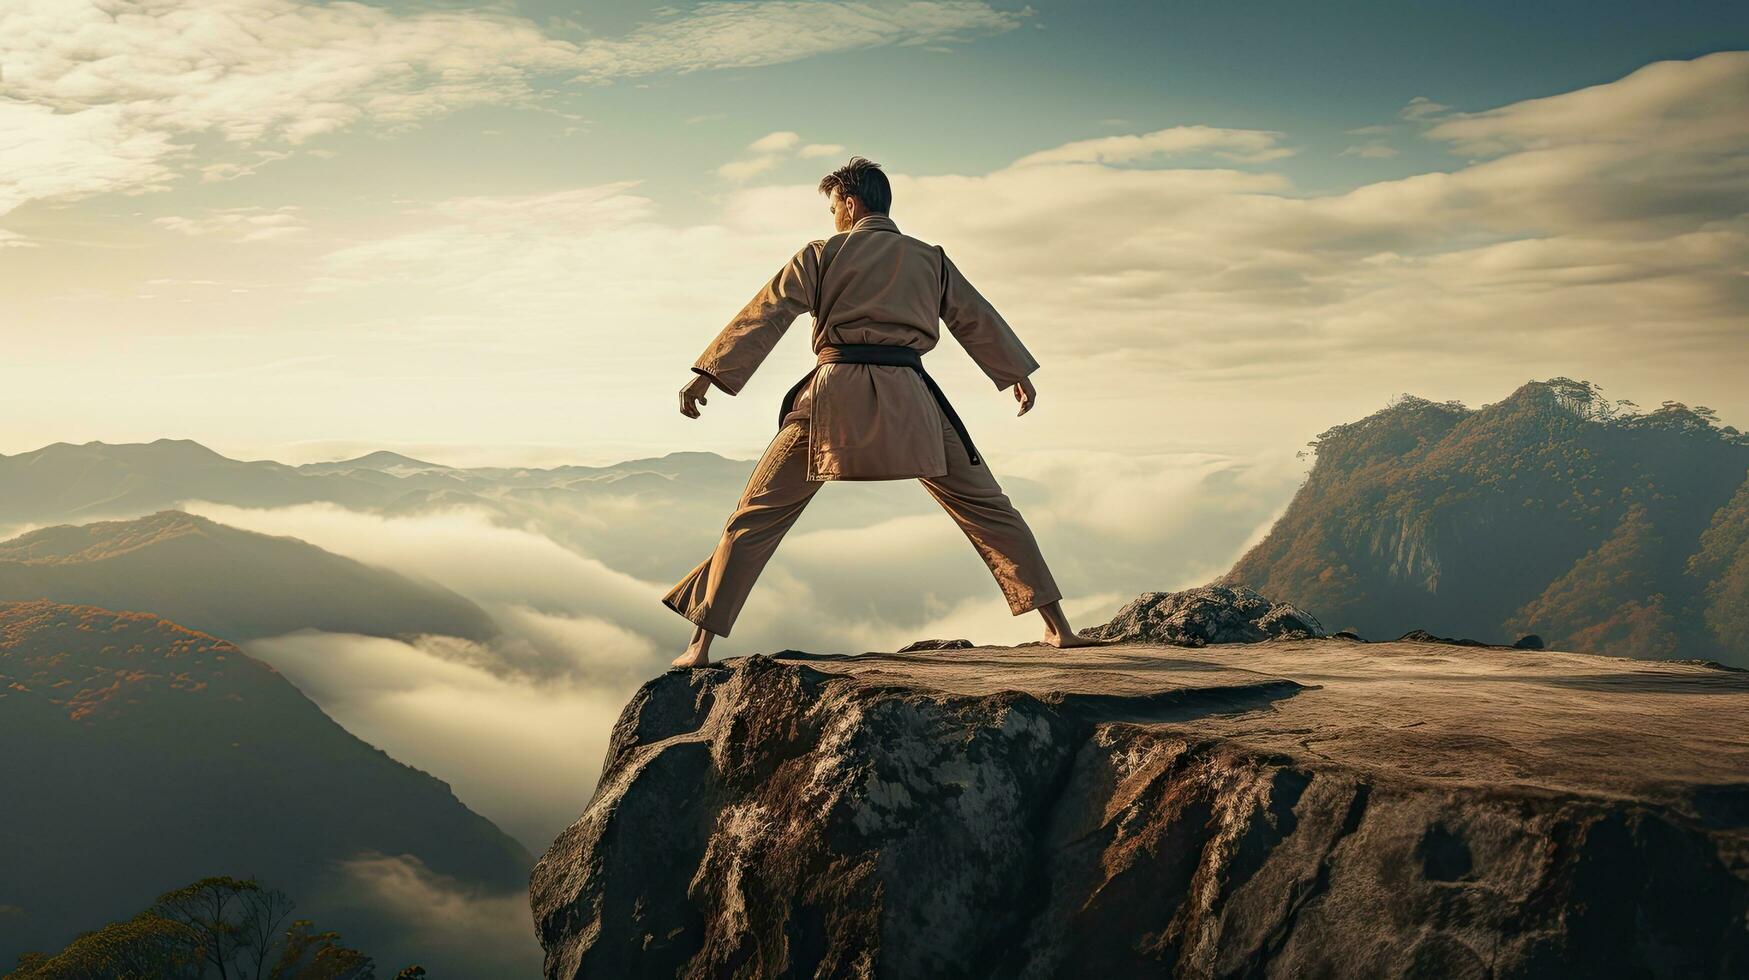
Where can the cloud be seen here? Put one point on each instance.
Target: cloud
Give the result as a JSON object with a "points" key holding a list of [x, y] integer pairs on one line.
{"points": [[775, 143], [463, 549], [232, 169], [241, 224], [1610, 248], [524, 750], [601, 240], [105, 97], [519, 725], [1422, 107], [766, 152], [1685, 108], [1375, 151], [1239, 145], [435, 920], [49, 154], [578, 640], [749, 167], [769, 32]]}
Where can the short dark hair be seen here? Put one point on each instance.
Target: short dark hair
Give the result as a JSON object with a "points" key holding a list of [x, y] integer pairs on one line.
{"points": [[860, 178]]}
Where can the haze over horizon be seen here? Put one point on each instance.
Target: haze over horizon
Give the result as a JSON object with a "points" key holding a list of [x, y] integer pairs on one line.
{"points": [[499, 234]]}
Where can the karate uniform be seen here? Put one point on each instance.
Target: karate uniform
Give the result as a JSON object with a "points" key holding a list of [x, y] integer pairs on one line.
{"points": [[854, 421]]}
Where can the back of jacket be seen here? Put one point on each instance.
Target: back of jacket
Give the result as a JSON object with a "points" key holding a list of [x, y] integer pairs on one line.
{"points": [[877, 282], [869, 421]]}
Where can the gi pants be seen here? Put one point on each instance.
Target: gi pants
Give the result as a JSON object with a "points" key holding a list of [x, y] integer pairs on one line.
{"points": [[711, 595]]}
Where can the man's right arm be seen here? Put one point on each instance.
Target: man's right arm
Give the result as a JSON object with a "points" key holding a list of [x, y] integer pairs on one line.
{"points": [[740, 347], [981, 330]]}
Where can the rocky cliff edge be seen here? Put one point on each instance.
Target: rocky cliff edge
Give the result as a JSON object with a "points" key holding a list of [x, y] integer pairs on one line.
{"points": [[1286, 808]]}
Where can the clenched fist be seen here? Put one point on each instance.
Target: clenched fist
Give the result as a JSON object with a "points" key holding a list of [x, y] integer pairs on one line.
{"points": [[694, 391]]}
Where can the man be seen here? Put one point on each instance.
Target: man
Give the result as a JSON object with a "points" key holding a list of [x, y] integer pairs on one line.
{"points": [[867, 411]]}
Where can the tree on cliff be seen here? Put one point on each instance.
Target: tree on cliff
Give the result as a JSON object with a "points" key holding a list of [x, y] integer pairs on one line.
{"points": [[230, 928]]}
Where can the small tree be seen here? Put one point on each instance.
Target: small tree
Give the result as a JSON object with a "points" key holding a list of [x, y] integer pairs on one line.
{"points": [[145, 946], [229, 928], [311, 955]]}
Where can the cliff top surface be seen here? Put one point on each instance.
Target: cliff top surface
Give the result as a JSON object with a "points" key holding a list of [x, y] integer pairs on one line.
{"points": [[1485, 715]]}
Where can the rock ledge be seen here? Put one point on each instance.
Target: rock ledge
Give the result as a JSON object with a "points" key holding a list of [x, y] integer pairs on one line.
{"points": [[1298, 807]]}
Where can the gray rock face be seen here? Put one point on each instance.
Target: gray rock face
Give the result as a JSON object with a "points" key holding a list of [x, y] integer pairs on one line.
{"points": [[1207, 614], [1300, 808]]}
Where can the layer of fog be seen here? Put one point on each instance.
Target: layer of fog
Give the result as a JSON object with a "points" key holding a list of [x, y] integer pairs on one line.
{"points": [[521, 749], [414, 915], [519, 725]]}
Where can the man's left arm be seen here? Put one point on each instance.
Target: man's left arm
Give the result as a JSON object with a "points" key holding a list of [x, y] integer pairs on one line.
{"points": [[739, 348]]}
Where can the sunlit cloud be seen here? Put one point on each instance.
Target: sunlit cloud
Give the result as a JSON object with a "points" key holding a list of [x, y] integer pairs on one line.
{"points": [[242, 224], [1609, 248], [1670, 111], [1422, 107], [1205, 309], [523, 750], [443, 923], [48, 154], [105, 97], [1238, 145], [768, 151], [775, 143], [1238, 271], [464, 550], [518, 724]]}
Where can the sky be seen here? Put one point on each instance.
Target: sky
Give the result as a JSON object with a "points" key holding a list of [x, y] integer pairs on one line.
{"points": [[501, 233]]}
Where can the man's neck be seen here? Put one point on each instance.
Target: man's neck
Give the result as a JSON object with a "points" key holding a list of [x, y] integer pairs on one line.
{"points": [[872, 220]]}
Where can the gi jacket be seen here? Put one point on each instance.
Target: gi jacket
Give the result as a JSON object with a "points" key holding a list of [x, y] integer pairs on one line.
{"points": [[869, 421]]}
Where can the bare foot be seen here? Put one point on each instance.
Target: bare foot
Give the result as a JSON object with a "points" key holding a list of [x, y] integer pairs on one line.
{"points": [[698, 652], [1059, 633], [1065, 640]]}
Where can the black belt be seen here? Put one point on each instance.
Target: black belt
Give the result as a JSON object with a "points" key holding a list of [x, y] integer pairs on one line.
{"points": [[892, 354]]}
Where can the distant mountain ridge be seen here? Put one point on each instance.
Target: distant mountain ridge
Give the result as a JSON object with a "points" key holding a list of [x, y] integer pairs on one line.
{"points": [[1551, 512], [582, 508], [141, 753], [382, 459], [232, 583], [67, 482]]}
